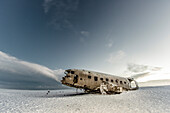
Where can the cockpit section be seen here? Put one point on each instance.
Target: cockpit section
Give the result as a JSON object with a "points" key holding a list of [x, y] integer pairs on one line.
{"points": [[69, 71], [71, 78]]}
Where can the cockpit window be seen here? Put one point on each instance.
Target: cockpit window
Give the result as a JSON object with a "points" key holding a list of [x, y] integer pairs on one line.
{"points": [[72, 72], [95, 78], [89, 77]]}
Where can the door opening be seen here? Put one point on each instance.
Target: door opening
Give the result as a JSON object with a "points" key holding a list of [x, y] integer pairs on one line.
{"points": [[75, 80]]}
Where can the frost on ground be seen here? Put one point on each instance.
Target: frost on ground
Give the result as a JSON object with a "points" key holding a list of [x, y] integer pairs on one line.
{"points": [[144, 100]]}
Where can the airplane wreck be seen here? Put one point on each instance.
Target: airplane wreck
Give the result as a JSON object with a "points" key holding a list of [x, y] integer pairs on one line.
{"points": [[95, 82]]}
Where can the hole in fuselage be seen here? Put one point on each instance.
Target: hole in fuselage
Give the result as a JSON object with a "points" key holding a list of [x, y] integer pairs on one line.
{"points": [[75, 80]]}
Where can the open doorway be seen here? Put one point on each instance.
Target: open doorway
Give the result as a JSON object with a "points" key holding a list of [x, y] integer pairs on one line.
{"points": [[75, 80]]}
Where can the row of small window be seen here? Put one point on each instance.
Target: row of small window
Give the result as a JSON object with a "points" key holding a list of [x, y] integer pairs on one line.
{"points": [[96, 79]]}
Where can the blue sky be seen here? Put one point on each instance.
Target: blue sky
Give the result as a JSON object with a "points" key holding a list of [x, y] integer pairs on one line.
{"points": [[99, 35]]}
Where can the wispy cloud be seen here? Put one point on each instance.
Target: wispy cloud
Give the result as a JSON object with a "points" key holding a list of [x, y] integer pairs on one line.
{"points": [[60, 11], [47, 4], [109, 39], [136, 68], [145, 73], [110, 44], [12, 68], [84, 35], [116, 57]]}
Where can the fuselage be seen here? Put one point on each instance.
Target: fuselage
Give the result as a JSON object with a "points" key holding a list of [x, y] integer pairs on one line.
{"points": [[90, 80]]}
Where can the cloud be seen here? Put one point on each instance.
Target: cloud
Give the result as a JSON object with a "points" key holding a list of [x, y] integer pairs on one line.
{"points": [[16, 70], [109, 41], [152, 75], [145, 73], [84, 35], [136, 68], [60, 12], [47, 4], [110, 44], [116, 57]]}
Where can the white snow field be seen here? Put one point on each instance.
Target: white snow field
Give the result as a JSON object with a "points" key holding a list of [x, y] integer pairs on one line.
{"points": [[145, 100]]}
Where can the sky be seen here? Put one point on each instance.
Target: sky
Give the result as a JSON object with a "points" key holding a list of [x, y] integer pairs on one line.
{"points": [[97, 35]]}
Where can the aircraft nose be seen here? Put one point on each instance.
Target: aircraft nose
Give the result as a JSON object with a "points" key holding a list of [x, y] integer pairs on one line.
{"points": [[63, 79]]}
